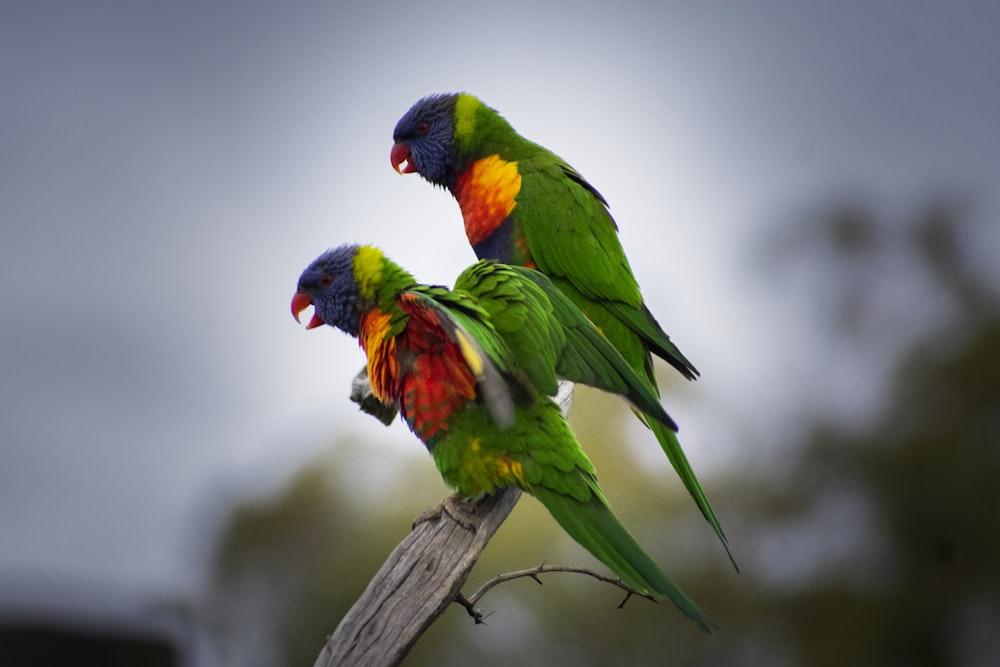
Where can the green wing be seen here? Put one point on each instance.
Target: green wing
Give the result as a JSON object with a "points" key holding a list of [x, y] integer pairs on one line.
{"points": [[551, 338], [521, 316], [639, 320], [569, 230], [573, 238], [589, 357]]}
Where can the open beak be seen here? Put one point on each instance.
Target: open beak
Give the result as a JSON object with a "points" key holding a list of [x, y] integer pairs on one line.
{"points": [[300, 302], [399, 155]]}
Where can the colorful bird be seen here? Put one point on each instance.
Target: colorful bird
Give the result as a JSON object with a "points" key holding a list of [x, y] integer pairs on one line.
{"points": [[471, 371], [524, 205]]}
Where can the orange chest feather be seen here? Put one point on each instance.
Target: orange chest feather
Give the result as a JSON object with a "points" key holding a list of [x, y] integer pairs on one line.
{"points": [[486, 193], [380, 348]]}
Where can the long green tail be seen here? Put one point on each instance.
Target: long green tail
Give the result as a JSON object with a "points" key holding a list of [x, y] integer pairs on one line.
{"points": [[672, 447], [599, 531], [636, 335]]}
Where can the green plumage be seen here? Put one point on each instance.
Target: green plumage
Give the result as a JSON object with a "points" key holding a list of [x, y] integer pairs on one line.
{"points": [[539, 322], [472, 371]]}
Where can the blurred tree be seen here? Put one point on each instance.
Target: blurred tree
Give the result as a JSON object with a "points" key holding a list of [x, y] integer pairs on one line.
{"points": [[287, 567], [897, 514]]}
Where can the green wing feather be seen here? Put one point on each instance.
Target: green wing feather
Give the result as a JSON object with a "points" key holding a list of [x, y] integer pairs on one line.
{"points": [[589, 357], [521, 316], [539, 322], [581, 246], [641, 321], [570, 232]]}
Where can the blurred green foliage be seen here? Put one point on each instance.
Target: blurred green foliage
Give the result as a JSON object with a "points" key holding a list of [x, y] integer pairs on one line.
{"points": [[878, 543]]}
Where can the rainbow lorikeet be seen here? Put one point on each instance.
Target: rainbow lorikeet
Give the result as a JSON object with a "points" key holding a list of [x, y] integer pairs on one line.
{"points": [[471, 371], [524, 205]]}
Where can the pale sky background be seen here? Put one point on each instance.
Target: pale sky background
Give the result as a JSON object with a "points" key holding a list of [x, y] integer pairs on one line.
{"points": [[168, 169]]}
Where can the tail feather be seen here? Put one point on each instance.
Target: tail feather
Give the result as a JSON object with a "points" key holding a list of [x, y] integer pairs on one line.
{"points": [[594, 526], [672, 448]]}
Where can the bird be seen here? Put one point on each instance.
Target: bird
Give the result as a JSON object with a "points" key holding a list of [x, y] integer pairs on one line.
{"points": [[523, 205], [472, 371]]}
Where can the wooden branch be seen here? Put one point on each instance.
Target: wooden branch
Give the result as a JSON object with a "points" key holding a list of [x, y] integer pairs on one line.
{"points": [[423, 574], [421, 577], [470, 602]]}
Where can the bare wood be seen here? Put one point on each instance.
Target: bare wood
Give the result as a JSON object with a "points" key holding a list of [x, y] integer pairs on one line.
{"points": [[421, 577]]}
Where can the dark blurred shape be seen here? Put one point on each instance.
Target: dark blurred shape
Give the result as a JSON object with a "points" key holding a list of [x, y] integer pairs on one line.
{"points": [[54, 621], [851, 231], [38, 642], [939, 239]]}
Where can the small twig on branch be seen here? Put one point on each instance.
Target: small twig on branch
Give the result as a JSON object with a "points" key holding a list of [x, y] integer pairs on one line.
{"points": [[532, 572]]}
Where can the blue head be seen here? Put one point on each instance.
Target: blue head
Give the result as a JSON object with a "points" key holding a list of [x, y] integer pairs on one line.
{"points": [[424, 139], [330, 286]]}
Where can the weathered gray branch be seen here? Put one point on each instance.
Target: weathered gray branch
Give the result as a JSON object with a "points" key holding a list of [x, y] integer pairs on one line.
{"points": [[421, 577], [423, 574]]}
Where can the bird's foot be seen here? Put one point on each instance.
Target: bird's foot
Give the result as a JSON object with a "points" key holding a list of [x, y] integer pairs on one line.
{"points": [[361, 393], [461, 510]]}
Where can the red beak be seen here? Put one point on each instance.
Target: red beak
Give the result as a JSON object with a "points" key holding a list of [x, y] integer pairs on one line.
{"points": [[300, 302], [401, 153]]}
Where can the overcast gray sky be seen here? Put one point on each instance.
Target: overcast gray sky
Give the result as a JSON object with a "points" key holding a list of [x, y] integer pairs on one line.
{"points": [[167, 170]]}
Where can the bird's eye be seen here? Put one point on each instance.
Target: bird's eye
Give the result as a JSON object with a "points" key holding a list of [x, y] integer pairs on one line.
{"points": [[326, 280], [423, 127]]}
